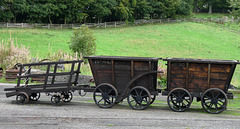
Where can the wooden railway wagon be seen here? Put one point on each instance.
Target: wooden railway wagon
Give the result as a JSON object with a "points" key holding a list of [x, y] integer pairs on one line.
{"points": [[116, 78], [206, 80], [60, 92]]}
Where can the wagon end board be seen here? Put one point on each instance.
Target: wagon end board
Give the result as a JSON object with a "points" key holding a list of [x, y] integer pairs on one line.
{"points": [[198, 75]]}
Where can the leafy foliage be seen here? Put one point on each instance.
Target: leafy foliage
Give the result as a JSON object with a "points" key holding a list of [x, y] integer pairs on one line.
{"points": [[83, 42], [235, 4], [81, 11]]}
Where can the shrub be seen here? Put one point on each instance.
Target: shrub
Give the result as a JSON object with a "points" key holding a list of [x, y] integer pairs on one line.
{"points": [[83, 42], [12, 54]]}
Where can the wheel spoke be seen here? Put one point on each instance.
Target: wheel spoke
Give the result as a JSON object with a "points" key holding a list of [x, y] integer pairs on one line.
{"points": [[100, 100], [183, 94], [216, 108], [100, 90], [212, 94], [110, 91], [141, 93], [136, 93], [217, 95], [174, 95], [207, 96]]}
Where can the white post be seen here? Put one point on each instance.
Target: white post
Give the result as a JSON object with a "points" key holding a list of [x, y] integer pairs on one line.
{"points": [[48, 26], [105, 24], [7, 24], [22, 25], [115, 24], [160, 20]]}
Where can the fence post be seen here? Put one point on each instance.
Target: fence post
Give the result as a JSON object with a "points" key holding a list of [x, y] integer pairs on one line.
{"points": [[160, 20], [168, 19], [48, 26], [22, 25], [105, 24], [72, 26], [115, 24], [35, 25], [7, 24], [61, 26]]}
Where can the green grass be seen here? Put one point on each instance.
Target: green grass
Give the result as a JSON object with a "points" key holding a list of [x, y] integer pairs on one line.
{"points": [[207, 15], [181, 40]]}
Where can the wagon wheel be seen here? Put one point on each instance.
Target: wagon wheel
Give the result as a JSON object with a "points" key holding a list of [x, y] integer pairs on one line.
{"points": [[105, 95], [67, 96], [56, 100], [35, 96], [139, 98], [214, 101], [179, 99], [22, 98]]}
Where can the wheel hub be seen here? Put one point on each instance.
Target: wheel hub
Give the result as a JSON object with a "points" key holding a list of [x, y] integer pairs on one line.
{"points": [[214, 101], [179, 100], [139, 98], [105, 96]]}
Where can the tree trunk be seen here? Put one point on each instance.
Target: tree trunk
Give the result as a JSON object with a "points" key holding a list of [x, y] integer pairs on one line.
{"points": [[210, 8], [195, 9], [65, 19], [50, 21]]}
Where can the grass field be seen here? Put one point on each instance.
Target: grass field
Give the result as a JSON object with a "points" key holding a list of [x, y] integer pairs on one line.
{"points": [[207, 15], [181, 40]]}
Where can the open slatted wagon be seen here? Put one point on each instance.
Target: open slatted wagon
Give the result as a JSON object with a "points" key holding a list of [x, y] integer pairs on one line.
{"points": [[206, 80], [116, 78], [59, 91]]}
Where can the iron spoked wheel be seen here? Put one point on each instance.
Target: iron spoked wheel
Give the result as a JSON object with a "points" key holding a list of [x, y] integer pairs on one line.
{"points": [[139, 98], [105, 95], [214, 101], [179, 99], [35, 96], [56, 100], [67, 96], [22, 98]]}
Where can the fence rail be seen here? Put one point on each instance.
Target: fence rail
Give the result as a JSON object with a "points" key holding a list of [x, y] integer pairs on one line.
{"points": [[221, 22], [91, 25]]}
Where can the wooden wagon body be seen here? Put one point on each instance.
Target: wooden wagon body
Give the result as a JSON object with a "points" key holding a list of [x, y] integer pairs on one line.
{"points": [[125, 73], [199, 75]]}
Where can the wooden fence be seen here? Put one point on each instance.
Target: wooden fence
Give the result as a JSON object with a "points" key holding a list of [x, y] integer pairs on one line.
{"points": [[91, 25], [225, 23]]}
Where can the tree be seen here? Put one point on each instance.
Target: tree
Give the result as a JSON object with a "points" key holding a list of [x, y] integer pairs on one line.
{"points": [[5, 13], [185, 7], [83, 42], [235, 5], [101, 8]]}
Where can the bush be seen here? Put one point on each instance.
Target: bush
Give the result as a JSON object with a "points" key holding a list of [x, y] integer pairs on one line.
{"points": [[12, 54], [83, 42]]}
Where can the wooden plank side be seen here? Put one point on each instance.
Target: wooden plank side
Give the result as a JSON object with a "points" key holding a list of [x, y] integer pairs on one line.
{"points": [[220, 68], [141, 65], [197, 67], [178, 75], [219, 75], [122, 74], [198, 77]]}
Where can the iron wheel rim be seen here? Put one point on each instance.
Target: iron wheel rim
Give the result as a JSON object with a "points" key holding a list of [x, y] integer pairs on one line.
{"points": [[22, 98], [105, 95], [35, 96], [179, 99], [214, 101], [139, 98]]}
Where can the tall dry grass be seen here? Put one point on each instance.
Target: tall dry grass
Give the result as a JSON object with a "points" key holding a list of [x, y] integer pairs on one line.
{"points": [[11, 54]]}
